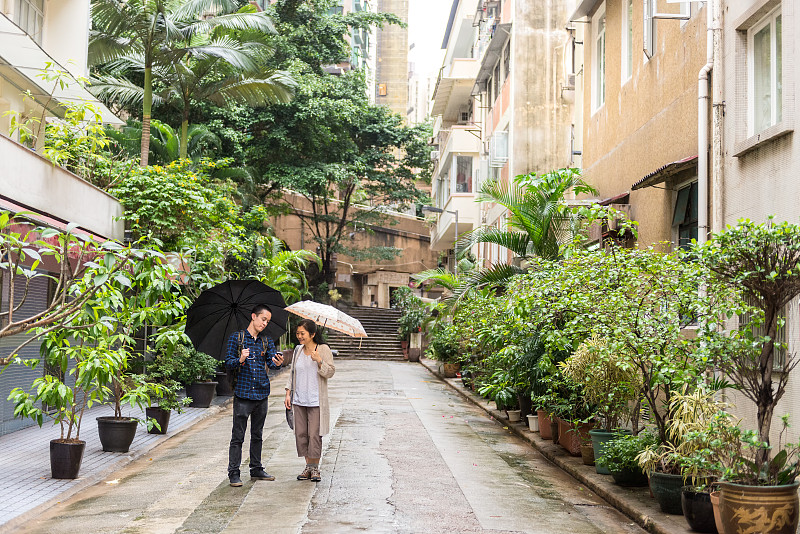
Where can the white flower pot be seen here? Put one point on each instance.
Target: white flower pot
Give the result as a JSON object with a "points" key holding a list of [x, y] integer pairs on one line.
{"points": [[533, 422], [514, 416]]}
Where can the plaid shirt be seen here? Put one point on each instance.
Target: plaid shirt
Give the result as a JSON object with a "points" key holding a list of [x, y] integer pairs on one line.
{"points": [[253, 382]]}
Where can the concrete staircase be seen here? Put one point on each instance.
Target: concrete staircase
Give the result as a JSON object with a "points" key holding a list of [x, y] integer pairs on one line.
{"points": [[381, 327]]}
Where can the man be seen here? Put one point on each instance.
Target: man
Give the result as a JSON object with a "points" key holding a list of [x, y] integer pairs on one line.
{"points": [[251, 393]]}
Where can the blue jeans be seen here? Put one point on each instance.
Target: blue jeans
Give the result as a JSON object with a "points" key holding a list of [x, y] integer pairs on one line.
{"points": [[256, 410]]}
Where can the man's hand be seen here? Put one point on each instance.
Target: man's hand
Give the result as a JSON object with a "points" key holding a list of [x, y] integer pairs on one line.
{"points": [[287, 402], [243, 356], [278, 359]]}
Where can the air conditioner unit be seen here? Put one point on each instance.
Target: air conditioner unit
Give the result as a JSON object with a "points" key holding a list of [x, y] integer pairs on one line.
{"points": [[569, 82], [434, 155]]}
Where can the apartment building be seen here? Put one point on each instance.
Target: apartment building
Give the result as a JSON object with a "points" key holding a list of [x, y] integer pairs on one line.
{"points": [[32, 34], [636, 121], [503, 104]]}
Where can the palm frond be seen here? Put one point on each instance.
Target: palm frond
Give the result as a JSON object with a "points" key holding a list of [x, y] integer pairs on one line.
{"points": [[516, 242], [120, 91], [437, 277]]}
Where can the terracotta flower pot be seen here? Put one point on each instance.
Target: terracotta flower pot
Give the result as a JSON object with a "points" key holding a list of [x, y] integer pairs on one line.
{"points": [[587, 454], [544, 424], [772, 509], [715, 497]]}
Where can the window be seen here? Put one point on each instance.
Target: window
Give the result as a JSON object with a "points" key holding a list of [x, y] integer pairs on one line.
{"points": [[498, 149], [29, 15], [780, 335], [627, 40], [599, 85], [463, 165], [765, 73], [685, 215], [649, 29], [507, 60], [497, 81]]}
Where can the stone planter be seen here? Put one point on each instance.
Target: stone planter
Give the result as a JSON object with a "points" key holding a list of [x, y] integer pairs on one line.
{"points": [[415, 348], [66, 458], [772, 509]]}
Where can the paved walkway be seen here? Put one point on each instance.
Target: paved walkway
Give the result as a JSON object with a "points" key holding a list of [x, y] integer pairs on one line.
{"points": [[25, 459], [406, 454]]}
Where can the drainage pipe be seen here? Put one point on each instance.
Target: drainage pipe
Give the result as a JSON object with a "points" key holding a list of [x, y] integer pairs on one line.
{"points": [[703, 106]]}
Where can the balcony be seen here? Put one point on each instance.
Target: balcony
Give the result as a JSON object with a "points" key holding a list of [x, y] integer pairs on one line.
{"points": [[443, 234], [462, 139], [453, 88], [32, 183]]}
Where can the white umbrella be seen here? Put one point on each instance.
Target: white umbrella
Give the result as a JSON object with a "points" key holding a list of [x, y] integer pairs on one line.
{"points": [[328, 317]]}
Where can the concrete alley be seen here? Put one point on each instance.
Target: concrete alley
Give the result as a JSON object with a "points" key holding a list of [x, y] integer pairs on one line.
{"points": [[406, 454]]}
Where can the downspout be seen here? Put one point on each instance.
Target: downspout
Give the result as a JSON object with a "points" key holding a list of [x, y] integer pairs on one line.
{"points": [[703, 105], [717, 115]]}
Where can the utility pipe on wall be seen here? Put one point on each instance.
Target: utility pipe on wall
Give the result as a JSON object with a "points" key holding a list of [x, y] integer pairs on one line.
{"points": [[703, 105]]}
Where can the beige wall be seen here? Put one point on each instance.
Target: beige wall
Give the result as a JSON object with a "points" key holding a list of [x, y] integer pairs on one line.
{"points": [[409, 234], [648, 121], [761, 181]]}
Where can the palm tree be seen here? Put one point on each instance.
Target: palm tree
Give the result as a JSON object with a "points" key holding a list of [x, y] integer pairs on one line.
{"points": [[143, 32], [539, 222], [222, 71], [165, 145]]}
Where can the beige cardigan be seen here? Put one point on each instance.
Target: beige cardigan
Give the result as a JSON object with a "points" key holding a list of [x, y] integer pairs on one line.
{"points": [[325, 371]]}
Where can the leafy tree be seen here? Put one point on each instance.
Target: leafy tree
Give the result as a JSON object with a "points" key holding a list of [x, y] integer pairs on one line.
{"points": [[539, 221], [150, 34], [338, 151], [760, 263]]}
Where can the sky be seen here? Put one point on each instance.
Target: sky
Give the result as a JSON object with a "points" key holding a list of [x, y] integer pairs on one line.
{"points": [[427, 20]]}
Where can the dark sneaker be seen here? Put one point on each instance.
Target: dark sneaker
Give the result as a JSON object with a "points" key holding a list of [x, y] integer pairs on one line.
{"points": [[235, 480], [305, 475], [315, 476], [261, 475]]}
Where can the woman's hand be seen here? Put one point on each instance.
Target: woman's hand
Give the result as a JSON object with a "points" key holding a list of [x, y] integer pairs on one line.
{"points": [[287, 401], [316, 356]]}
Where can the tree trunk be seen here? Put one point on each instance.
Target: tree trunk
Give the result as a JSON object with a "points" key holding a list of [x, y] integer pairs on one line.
{"points": [[184, 133], [147, 108]]}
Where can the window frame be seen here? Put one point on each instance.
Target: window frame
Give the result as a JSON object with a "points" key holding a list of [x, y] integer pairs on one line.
{"points": [[627, 41], [776, 97], [598, 61], [38, 18]]}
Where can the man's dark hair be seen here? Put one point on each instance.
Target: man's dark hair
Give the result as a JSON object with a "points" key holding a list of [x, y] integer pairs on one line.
{"points": [[261, 307]]}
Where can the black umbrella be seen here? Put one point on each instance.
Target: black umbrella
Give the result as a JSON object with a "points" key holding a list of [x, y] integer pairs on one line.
{"points": [[225, 308]]}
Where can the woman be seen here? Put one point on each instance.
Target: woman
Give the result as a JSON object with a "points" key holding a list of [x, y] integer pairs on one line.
{"points": [[307, 396]]}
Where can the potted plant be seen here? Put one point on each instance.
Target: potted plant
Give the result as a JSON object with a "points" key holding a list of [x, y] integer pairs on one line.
{"points": [[445, 348], [609, 384], [668, 463], [196, 370], [64, 401], [760, 264], [158, 416], [619, 454], [758, 495]]}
